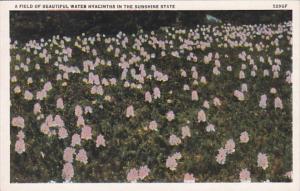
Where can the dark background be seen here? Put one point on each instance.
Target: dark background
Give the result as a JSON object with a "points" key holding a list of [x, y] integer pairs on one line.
{"points": [[26, 25]]}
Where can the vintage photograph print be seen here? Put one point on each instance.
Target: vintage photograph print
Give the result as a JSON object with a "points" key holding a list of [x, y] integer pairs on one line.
{"points": [[150, 96]]}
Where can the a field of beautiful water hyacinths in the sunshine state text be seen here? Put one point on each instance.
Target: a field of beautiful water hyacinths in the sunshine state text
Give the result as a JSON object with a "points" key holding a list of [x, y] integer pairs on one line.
{"points": [[207, 104]]}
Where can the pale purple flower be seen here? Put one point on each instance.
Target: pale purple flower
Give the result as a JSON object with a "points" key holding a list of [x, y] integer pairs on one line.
{"points": [[78, 110], [201, 116], [171, 163], [59, 103], [156, 93], [37, 108], [153, 125], [143, 172], [18, 122], [48, 86], [244, 137], [206, 104], [21, 135], [174, 140], [100, 141], [239, 95], [17, 89], [80, 121], [278, 103], [68, 172], [195, 96], [230, 146], [188, 178], [130, 111], [68, 154], [241, 75], [217, 101], [170, 116], [210, 128], [133, 175], [62, 133], [28, 95], [81, 156], [263, 101], [245, 175], [262, 160], [86, 132], [76, 140], [221, 157], [20, 146], [148, 97]]}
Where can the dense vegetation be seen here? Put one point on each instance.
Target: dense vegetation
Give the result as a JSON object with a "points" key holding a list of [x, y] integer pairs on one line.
{"points": [[206, 103]]}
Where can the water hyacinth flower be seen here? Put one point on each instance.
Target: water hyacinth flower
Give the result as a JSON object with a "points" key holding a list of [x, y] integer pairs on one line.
{"points": [[188, 178], [100, 141], [81, 156], [201, 116], [239, 95], [221, 157], [80, 121], [18, 122], [133, 175], [273, 91], [62, 133], [21, 135], [206, 104], [195, 96], [59, 103], [156, 93], [262, 161], [78, 110], [245, 175], [174, 140], [20, 146], [171, 163], [143, 172], [67, 172], [17, 89], [278, 103], [244, 137], [76, 140], [153, 125], [185, 131], [210, 128], [216, 102], [263, 101], [130, 111], [37, 108], [148, 97], [170, 116], [28, 95], [230, 146], [86, 132], [68, 154]]}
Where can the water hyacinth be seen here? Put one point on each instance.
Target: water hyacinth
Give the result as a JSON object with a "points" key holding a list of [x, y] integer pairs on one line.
{"points": [[245, 175], [170, 116], [130, 111], [262, 161], [201, 116], [188, 178]]}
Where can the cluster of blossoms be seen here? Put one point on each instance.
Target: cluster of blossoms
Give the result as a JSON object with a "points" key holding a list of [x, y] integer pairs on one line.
{"points": [[134, 174], [168, 86]]}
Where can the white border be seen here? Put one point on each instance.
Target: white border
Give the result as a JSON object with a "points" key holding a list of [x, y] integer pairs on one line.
{"points": [[5, 184]]}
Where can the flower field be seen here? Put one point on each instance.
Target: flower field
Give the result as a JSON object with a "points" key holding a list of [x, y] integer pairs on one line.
{"points": [[208, 104]]}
